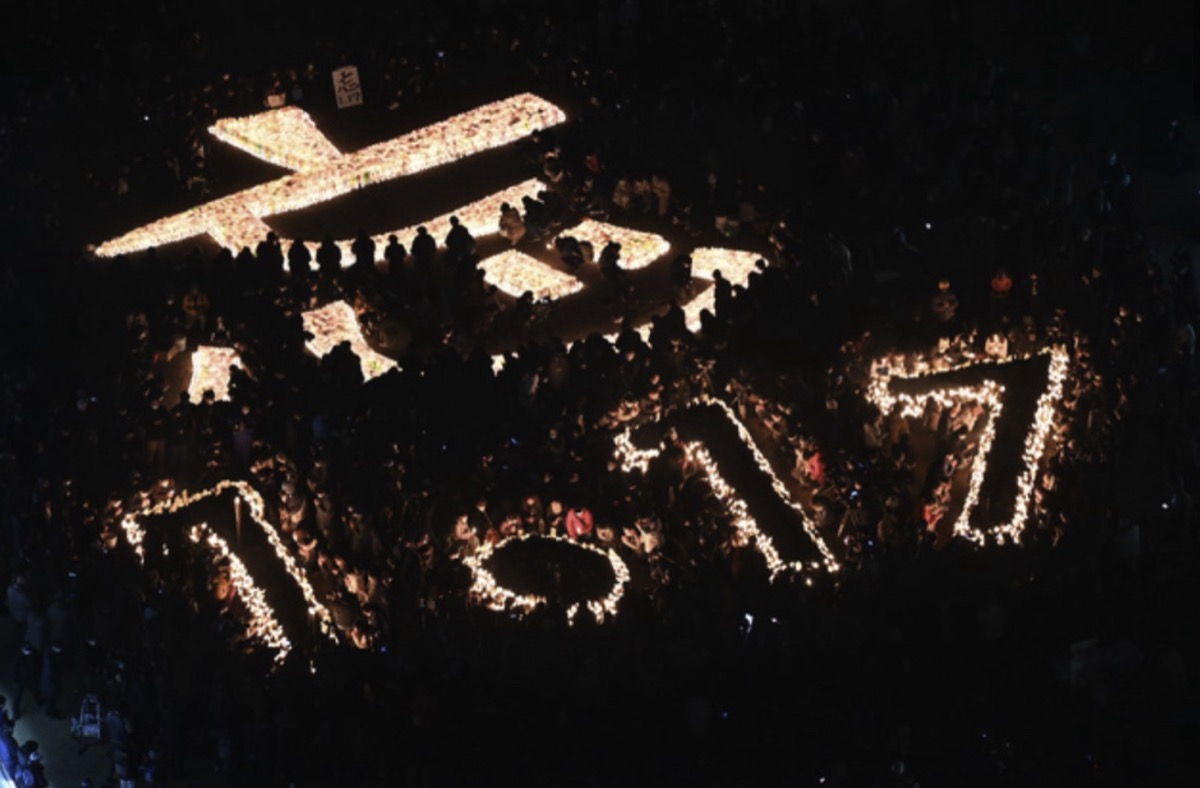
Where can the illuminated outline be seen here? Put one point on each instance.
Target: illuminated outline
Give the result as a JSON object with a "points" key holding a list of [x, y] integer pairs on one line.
{"points": [[630, 457], [135, 534], [485, 588], [992, 394]]}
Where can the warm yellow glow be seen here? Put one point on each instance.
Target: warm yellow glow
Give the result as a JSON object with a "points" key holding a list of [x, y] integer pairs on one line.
{"points": [[734, 265], [1035, 444], [286, 136], [263, 626], [236, 220], [638, 249], [747, 527], [135, 534], [515, 273], [694, 308], [335, 323], [481, 217], [210, 370], [485, 589], [991, 395]]}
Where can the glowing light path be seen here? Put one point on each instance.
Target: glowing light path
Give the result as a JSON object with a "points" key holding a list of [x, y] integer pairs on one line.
{"points": [[264, 624], [210, 370], [991, 396], [288, 136], [485, 588], [481, 217], [734, 265], [638, 249], [335, 323], [880, 392], [632, 457], [516, 273]]}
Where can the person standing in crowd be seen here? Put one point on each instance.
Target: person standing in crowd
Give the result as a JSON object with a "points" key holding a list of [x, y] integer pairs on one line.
{"points": [[512, 226], [157, 429], [424, 250], [53, 667], [17, 600], [9, 749], [944, 305], [242, 433], [329, 259], [299, 261], [269, 254], [580, 523], [195, 309], [459, 242], [26, 677], [394, 253]]}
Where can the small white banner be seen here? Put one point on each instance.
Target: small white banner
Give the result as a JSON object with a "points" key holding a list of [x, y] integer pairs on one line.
{"points": [[346, 87]]}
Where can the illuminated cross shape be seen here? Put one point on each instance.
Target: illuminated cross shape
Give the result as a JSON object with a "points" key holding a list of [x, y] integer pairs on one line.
{"points": [[515, 273], [264, 621], [917, 380], [289, 138], [702, 416]]}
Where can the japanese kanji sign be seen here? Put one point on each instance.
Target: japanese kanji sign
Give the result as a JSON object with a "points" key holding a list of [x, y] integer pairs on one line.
{"points": [[346, 87]]}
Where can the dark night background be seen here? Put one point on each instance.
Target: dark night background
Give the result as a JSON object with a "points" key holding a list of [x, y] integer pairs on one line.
{"points": [[929, 139]]}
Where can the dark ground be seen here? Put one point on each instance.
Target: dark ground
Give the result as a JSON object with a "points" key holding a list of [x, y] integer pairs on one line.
{"points": [[900, 663]]}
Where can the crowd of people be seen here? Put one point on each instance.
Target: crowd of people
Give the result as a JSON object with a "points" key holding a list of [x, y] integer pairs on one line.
{"points": [[896, 202]]}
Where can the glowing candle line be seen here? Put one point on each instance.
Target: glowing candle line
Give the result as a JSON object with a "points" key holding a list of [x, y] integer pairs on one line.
{"points": [[638, 249], [210, 371], [286, 136], [264, 626], [516, 273], [991, 394], [236, 220], [489, 592], [631, 457], [135, 534], [335, 323]]}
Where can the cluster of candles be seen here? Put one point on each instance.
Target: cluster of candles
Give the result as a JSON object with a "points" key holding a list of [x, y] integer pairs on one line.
{"points": [[210, 371], [638, 249], [485, 589], [263, 625], [335, 323], [235, 221], [631, 457], [991, 395], [734, 265], [516, 273], [481, 217], [135, 534], [286, 136]]}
